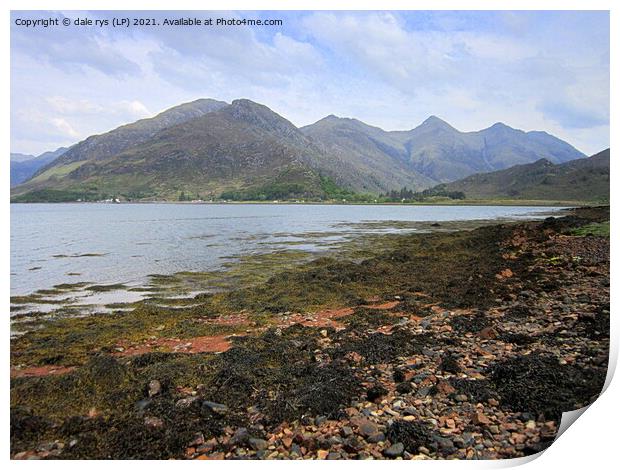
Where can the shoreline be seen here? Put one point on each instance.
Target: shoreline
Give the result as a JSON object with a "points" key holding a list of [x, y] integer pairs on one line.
{"points": [[411, 353], [472, 203]]}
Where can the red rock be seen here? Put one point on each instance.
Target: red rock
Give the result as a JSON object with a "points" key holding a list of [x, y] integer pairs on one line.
{"points": [[488, 333], [480, 419], [322, 454], [445, 388]]}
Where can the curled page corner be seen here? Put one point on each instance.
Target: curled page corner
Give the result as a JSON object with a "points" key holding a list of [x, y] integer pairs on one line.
{"points": [[567, 420]]}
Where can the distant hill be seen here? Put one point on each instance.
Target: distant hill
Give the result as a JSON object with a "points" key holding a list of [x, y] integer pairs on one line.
{"points": [[586, 179], [23, 168], [210, 149], [21, 157]]}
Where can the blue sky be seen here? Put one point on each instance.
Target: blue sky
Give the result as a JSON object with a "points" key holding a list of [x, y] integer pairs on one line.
{"points": [[531, 70]]}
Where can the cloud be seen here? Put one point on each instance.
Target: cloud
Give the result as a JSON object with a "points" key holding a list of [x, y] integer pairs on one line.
{"points": [[229, 56], [69, 48], [533, 70], [65, 129]]}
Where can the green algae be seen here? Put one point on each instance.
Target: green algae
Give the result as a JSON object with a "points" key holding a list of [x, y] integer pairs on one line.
{"points": [[597, 229]]}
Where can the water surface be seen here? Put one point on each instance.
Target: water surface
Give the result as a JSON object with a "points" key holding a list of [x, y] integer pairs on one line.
{"points": [[53, 244]]}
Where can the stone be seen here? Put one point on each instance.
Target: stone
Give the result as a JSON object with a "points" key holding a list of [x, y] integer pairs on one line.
{"points": [[240, 437], [143, 404], [377, 437], [199, 439], [346, 431], [257, 444], [153, 422], [404, 387], [185, 402], [352, 445], [322, 454], [445, 444], [399, 376], [479, 418], [376, 392], [394, 450], [154, 388], [367, 428], [488, 333], [444, 387], [208, 446], [217, 408]]}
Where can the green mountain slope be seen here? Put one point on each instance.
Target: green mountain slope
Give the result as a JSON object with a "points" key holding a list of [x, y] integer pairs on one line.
{"points": [[585, 179]]}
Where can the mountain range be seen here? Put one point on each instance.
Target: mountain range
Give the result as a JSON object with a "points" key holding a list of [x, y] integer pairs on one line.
{"points": [[244, 150]]}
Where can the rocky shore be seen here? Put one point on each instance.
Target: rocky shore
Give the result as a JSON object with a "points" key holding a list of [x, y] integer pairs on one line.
{"points": [[465, 345]]}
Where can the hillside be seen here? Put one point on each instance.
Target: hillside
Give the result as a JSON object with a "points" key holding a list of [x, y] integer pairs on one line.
{"points": [[585, 179], [23, 168], [242, 147]]}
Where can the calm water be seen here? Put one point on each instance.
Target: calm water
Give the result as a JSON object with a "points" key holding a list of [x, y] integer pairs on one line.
{"points": [[126, 242]]}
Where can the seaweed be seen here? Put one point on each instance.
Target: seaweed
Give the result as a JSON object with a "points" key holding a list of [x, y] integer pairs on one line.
{"points": [[540, 384]]}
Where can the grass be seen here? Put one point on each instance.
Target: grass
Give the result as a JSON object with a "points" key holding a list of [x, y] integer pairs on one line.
{"points": [[600, 229]]}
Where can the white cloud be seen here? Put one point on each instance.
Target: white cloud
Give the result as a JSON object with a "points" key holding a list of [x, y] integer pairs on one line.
{"points": [[534, 70], [64, 128]]}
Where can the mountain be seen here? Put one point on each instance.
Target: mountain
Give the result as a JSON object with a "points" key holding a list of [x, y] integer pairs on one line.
{"points": [[99, 147], [379, 158], [208, 148], [22, 169], [243, 147], [439, 151], [21, 157], [585, 179]]}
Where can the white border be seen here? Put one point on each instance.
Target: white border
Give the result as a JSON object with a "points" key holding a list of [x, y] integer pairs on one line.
{"points": [[592, 442]]}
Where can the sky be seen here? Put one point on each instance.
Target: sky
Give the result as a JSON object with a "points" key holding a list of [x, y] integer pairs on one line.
{"points": [[532, 70]]}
